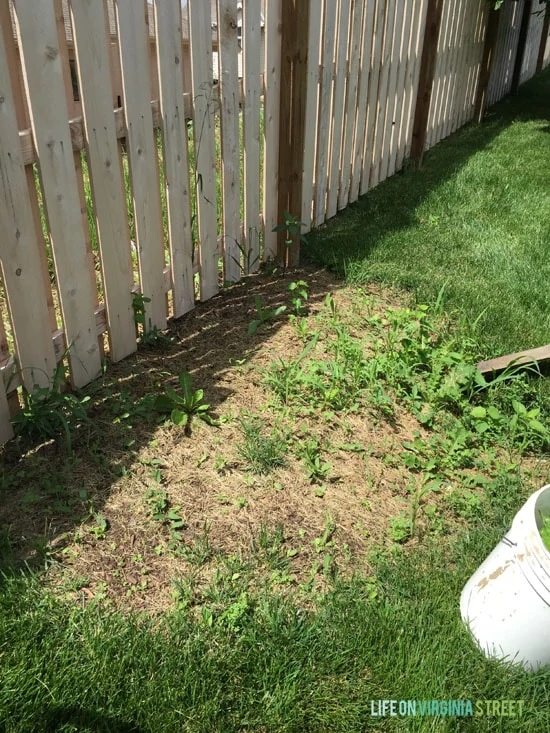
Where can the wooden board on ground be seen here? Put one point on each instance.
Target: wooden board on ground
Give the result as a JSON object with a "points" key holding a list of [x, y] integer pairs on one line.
{"points": [[176, 159], [540, 355]]}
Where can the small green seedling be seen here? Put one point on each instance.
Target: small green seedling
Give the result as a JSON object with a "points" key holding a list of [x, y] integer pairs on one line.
{"points": [[151, 336], [298, 296], [264, 315], [183, 407], [292, 227]]}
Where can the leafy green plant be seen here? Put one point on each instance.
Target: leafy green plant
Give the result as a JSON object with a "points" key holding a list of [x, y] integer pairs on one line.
{"points": [[261, 452], [183, 407], [299, 293], [99, 526], [149, 336], [247, 261], [264, 315], [317, 470], [48, 411], [292, 227]]}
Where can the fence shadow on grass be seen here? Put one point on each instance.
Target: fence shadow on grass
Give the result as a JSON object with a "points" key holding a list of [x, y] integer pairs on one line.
{"points": [[354, 236]]}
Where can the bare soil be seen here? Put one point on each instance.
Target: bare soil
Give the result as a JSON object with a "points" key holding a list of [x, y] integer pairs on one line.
{"points": [[283, 529]]}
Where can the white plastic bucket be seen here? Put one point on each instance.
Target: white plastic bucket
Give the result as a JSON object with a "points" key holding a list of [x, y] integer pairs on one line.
{"points": [[506, 602]]}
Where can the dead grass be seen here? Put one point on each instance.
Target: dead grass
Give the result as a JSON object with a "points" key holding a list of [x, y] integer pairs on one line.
{"points": [[287, 531]]}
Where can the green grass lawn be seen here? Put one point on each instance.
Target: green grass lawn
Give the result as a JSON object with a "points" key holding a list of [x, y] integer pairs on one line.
{"points": [[247, 658], [476, 218]]}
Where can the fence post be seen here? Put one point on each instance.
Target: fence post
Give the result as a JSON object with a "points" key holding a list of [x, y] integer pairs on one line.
{"points": [[543, 39], [294, 54], [522, 42], [434, 12], [489, 48]]}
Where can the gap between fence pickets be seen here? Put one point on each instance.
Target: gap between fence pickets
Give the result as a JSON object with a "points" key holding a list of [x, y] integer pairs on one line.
{"points": [[58, 337], [76, 126]]}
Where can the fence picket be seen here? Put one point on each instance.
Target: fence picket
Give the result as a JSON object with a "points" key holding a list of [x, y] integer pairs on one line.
{"points": [[350, 104], [272, 98], [175, 149], [43, 77], [325, 110], [314, 49], [362, 98], [373, 95], [413, 79], [205, 161], [382, 101], [228, 45], [389, 118], [336, 139], [142, 158], [251, 131], [107, 183], [21, 268]]}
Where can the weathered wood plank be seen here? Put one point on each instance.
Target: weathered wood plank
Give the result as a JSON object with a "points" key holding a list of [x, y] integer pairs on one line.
{"points": [[21, 268], [362, 98], [373, 94], [251, 131], [529, 356], [44, 80], [413, 76], [295, 46], [108, 194], [325, 108], [205, 161], [350, 104], [175, 149], [401, 88], [272, 100], [142, 158], [395, 61], [312, 96], [338, 121], [382, 101], [23, 123], [426, 79], [228, 50]]}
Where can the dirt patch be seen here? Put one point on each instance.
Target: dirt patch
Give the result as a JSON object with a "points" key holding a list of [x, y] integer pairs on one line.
{"points": [[140, 509]]}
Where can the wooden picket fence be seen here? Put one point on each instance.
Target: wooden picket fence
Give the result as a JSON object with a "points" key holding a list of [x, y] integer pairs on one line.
{"points": [[148, 149]]}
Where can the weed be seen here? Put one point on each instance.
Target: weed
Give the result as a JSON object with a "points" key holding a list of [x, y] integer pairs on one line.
{"points": [[261, 452], [247, 261], [151, 335], [292, 228], [47, 411], [317, 470], [99, 526], [183, 407], [298, 296], [264, 315]]}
